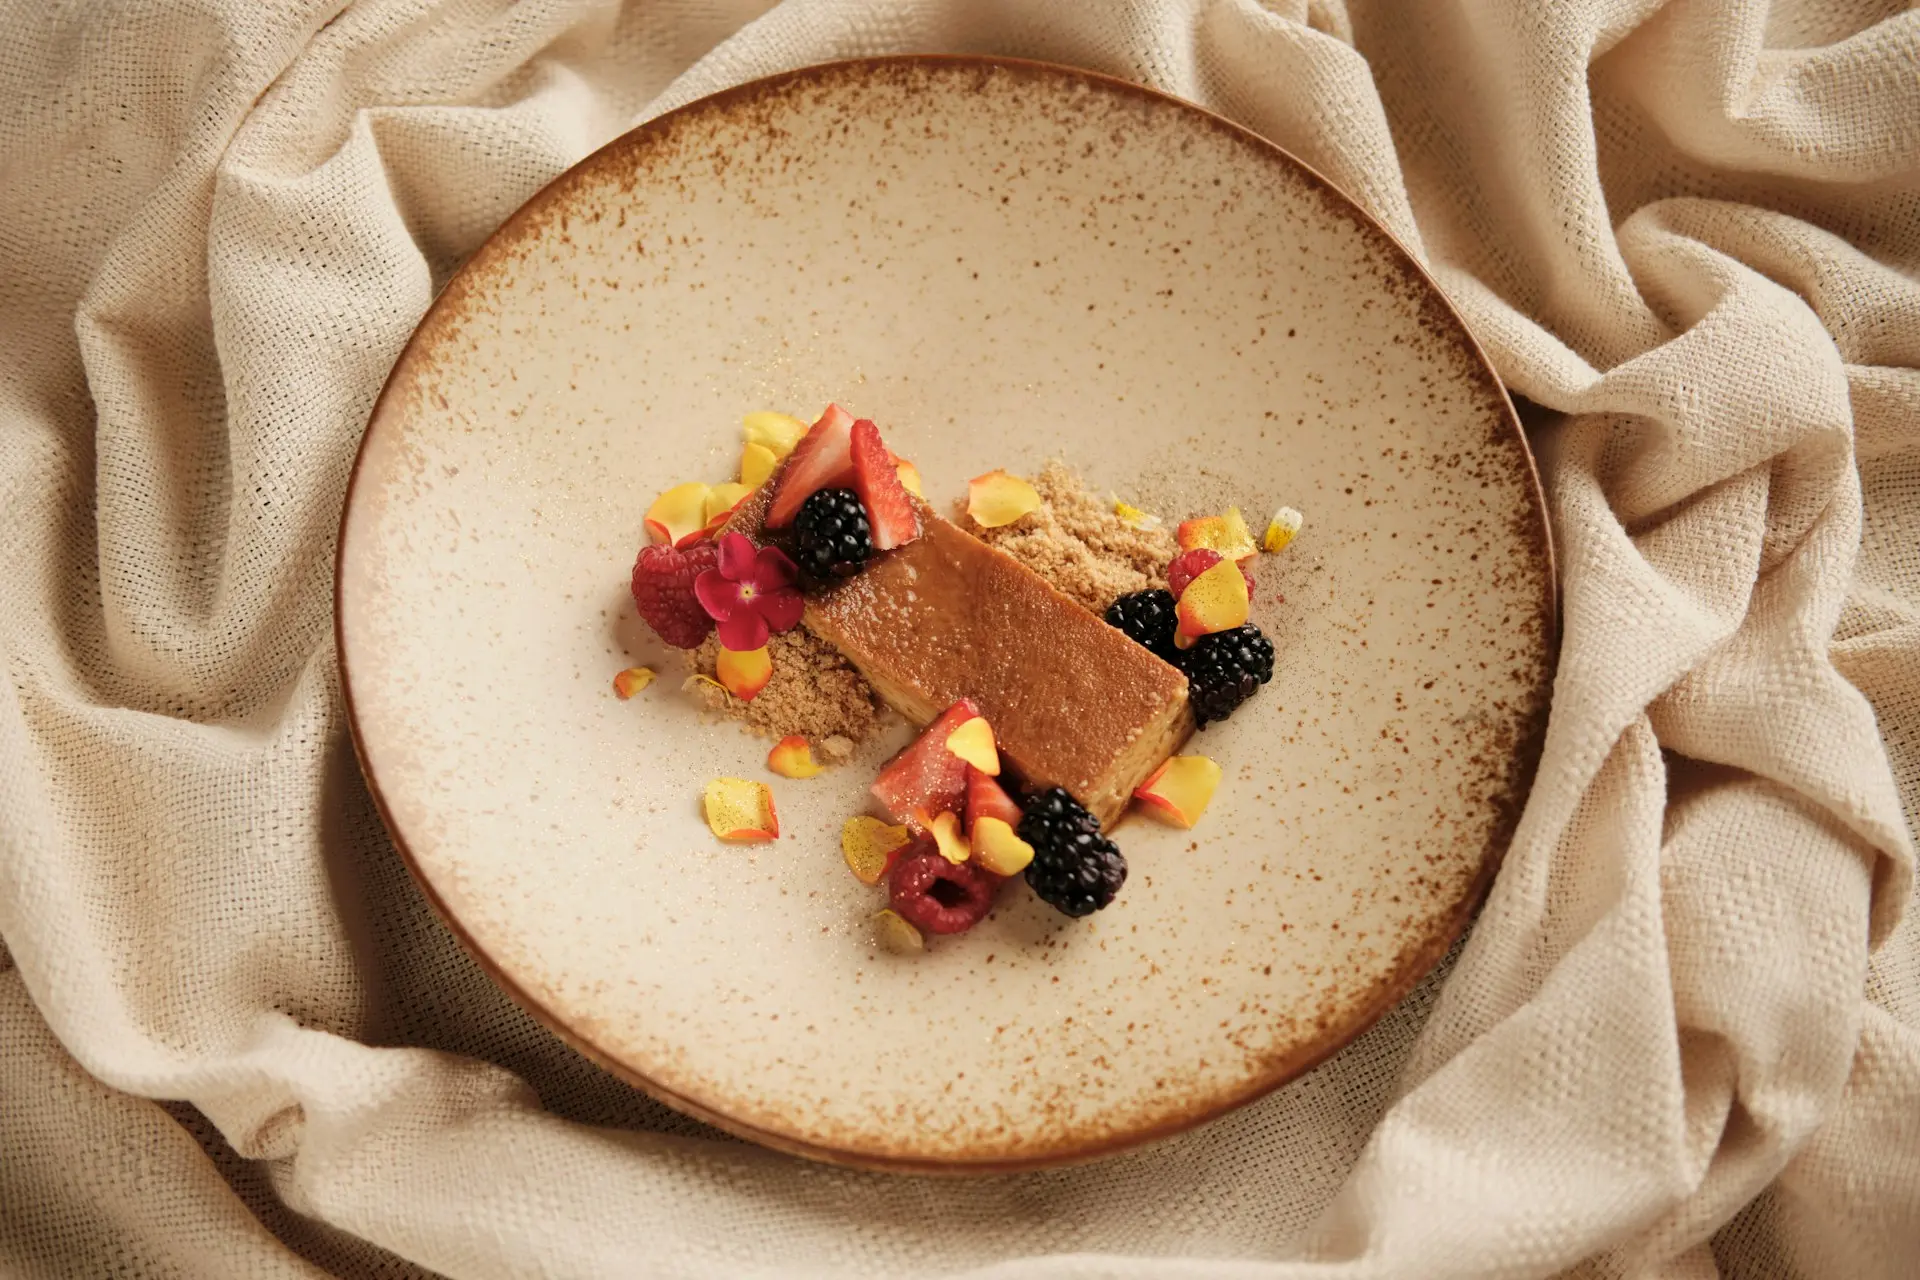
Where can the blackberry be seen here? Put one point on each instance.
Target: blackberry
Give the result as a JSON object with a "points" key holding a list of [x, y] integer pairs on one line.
{"points": [[1224, 669], [831, 535], [1075, 870], [1148, 618]]}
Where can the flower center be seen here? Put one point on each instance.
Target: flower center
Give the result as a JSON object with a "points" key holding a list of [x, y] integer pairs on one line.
{"points": [[747, 592]]}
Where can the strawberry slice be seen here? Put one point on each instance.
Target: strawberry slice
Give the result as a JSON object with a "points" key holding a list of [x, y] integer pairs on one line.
{"points": [[986, 798], [926, 777], [821, 460], [876, 479]]}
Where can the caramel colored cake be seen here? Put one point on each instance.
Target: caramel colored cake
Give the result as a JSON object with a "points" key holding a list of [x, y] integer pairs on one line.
{"points": [[1074, 702]]}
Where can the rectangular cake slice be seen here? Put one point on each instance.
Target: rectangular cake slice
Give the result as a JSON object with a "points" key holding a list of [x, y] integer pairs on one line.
{"points": [[1073, 702]]}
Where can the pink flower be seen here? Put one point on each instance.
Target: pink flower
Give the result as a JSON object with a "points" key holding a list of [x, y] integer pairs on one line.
{"points": [[749, 593]]}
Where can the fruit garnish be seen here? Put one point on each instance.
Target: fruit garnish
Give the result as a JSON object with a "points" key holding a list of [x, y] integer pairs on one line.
{"points": [[756, 464], [1147, 618], [740, 810], [1189, 565], [663, 579], [777, 433], [749, 591], [947, 836], [973, 742], [986, 798], [896, 935], [1075, 870], [632, 681], [822, 460], [998, 849], [909, 476], [871, 847], [1225, 669], [1281, 529], [743, 672], [792, 756], [939, 896], [925, 775], [876, 479], [1214, 601], [680, 511], [1178, 791], [1132, 515], [1228, 534], [997, 499], [831, 536], [722, 499]]}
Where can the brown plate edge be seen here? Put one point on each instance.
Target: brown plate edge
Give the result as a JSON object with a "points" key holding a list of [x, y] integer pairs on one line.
{"points": [[1387, 993]]}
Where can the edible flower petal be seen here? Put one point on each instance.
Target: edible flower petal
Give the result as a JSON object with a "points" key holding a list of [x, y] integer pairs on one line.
{"points": [[871, 847], [632, 681], [792, 757], [740, 810], [749, 592], [1282, 529], [680, 511], [997, 499]]}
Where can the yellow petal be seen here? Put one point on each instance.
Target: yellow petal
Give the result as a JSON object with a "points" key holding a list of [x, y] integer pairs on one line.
{"points": [[792, 757], [948, 836], [740, 810], [1228, 534], [1282, 529], [1214, 601], [1133, 515], [1179, 790], [869, 846], [723, 499], [909, 477], [632, 681], [973, 742], [998, 849], [678, 512], [896, 935], [997, 498], [756, 464], [775, 432], [744, 675]]}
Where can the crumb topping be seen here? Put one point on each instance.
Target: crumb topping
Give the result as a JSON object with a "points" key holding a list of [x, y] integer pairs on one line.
{"points": [[1080, 544]]}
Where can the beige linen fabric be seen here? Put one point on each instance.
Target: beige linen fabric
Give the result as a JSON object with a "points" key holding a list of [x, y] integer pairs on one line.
{"points": [[233, 1042]]}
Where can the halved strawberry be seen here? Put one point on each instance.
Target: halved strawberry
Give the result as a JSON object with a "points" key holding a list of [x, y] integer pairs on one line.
{"points": [[926, 776], [986, 798], [820, 461], [876, 479]]}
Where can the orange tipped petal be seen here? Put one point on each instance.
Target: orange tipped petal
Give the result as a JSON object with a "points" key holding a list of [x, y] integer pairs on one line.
{"points": [[744, 674], [1228, 534], [680, 511], [740, 810], [998, 849], [1179, 790], [997, 498], [792, 757], [973, 742], [871, 847], [1214, 601], [632, 681]]}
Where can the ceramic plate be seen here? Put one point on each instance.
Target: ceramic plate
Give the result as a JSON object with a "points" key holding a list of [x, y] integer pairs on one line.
{"points": [[1001, 263]]}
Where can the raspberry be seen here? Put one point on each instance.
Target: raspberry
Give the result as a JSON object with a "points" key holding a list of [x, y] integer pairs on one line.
{"points": [[937, 895], [663, 591], [1189, 565]]}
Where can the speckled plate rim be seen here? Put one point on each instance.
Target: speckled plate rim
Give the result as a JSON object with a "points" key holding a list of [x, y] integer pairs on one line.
{"points": [[1386, 993]]}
